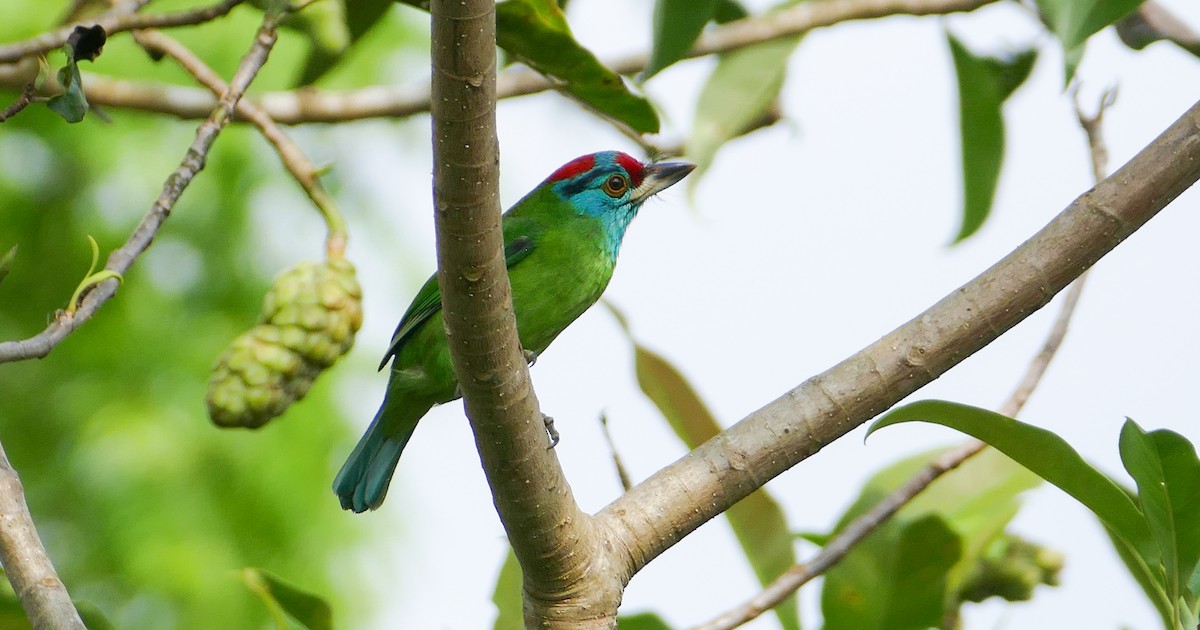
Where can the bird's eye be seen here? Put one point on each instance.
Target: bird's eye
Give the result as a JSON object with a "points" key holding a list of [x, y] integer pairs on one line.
{"points": [[615, 186]]}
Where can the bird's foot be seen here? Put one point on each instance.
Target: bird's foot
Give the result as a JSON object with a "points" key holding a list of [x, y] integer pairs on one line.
{"points": [[530, 356], [550, 431]]}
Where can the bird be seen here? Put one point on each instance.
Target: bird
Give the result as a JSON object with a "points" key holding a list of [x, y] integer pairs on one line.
{"points": [[560, 246]]}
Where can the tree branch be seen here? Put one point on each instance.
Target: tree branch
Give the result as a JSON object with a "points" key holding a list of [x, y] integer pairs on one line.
{"points": [[26, 564], [22, 101], [848, 538], [120, 260], [121, 18], [308, 105], [293, 158], [552, 538], [655, 515]]}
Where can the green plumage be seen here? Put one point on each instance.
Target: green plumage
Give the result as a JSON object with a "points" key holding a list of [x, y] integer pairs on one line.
{"points": [[561, 243]]}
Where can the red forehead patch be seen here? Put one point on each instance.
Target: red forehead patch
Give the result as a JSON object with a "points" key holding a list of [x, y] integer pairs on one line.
{"points": [[631, 166], [581, 164]]}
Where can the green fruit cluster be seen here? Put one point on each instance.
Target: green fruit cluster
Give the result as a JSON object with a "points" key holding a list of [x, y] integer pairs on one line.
{"points": [[1010, 568], [308, 320]]}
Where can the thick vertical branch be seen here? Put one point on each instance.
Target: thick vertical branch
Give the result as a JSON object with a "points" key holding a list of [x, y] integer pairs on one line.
{"points": [[553, 540]]}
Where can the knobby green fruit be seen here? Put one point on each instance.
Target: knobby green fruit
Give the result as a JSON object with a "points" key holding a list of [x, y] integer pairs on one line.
{"points": [[1010, 568], [308, 320]]}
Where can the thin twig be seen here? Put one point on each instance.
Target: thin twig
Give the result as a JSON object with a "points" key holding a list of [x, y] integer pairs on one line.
{"points": [[22, 101], [193, 162], [290, 153], [622, 474], [858, 529], [26, 563], [119, 19], [309, 105]]}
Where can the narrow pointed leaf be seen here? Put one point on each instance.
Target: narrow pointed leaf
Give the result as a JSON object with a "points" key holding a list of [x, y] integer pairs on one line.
{"points": [[758, 522], [280, 596], [1164, 465], [1073, 21], [738, 93], [894, 580], [984, 83], [677, 24], [508, 595], [1047, 455], [536, 33], [1072, 57]]}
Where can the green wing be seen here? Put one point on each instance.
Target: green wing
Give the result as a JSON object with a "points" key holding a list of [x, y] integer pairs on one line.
{"points": [[518, 243]]}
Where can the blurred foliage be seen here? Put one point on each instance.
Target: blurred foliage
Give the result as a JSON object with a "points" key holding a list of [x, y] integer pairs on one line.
{"points": [[149, 511], [758, 521], [1155, 531], [909, 571]]}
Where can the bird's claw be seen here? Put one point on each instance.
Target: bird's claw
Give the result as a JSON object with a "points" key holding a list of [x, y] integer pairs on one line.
{"points": [[531, 357], [550, 431]]}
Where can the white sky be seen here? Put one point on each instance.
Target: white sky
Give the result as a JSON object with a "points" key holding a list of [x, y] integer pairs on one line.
{"points": [[807, 241]]}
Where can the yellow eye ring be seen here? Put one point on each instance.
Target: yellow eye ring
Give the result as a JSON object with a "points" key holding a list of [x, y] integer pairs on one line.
{"points": [[615, 186]]}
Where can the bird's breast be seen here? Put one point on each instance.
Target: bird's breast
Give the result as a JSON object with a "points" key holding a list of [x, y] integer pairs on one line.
{"points": [[553, 288]]}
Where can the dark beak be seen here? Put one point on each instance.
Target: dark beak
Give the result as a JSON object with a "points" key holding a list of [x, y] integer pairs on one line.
{"points": [[659, 177]]}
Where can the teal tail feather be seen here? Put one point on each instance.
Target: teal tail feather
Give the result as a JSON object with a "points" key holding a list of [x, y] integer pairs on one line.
{"points": [[363, 481]]}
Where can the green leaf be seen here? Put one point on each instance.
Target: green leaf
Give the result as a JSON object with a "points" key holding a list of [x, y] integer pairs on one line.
{"points": [[677, 24], [728, 11], [285, 601], [1071, 60], [71, 104], [508, 595], [738, 94], [977, 499], [984, 83], [1073, 21], [1146, 577], [641, 621], [359, 17], [1045, 454], [757, 520], [6, 262], [536, 33], [894, 580], [1164, 465]]}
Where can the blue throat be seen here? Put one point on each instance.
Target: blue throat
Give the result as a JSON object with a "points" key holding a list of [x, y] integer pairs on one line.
{"points": [[588, 200]]}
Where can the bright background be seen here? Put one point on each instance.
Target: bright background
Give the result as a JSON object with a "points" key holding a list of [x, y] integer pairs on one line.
{"points": [[804, 243]]}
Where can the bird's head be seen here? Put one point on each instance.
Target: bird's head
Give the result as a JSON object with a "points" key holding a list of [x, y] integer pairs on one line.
{"points": [[611, 186]]}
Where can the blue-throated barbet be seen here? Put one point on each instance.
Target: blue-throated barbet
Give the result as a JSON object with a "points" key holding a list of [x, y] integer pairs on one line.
{"points": [[560, 244]]}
